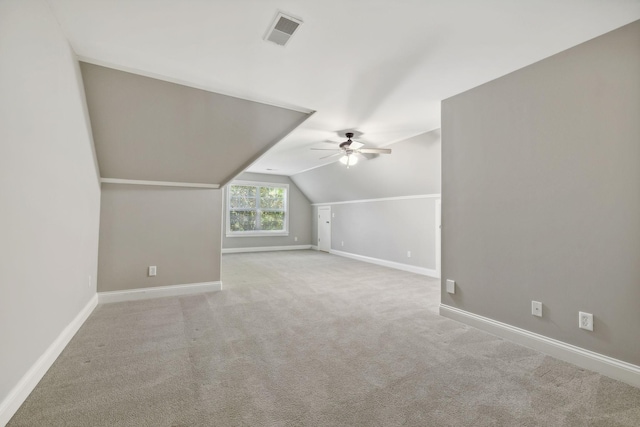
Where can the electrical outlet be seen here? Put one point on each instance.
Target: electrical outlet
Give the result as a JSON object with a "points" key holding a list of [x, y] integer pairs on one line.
{"points": [[408, 254], [152, 270], [295, 239], [536, 308], [342, 243], [585, 321], [333, 215], [451, 286]]}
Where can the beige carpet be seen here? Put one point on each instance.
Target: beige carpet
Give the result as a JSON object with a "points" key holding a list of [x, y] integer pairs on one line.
{"points": [[310, 339]]}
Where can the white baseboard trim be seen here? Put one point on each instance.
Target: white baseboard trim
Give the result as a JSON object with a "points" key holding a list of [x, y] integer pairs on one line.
{"points": [[158, 292], [10, 405], [314, 247], [587, 359], [265, 249], [391, 264]]}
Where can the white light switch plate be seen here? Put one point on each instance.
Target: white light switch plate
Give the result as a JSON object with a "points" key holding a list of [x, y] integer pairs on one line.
{"points": [[536, 308], [451, 286]]}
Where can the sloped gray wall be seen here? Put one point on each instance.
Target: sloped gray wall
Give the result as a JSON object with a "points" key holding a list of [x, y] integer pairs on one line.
{"points": [[541, 195], [150, 129]]}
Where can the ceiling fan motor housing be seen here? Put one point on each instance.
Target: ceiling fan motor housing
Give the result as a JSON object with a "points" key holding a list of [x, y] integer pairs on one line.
{"points": [[348, 142]]}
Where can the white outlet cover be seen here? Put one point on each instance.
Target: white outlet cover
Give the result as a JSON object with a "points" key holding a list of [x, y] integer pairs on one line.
{"points": [[585, 321], [408, 254], [451, 286], [536, 308], [152, 270]]}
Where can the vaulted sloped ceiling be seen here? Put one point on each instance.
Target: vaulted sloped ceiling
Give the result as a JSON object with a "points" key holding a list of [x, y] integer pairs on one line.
{"points": [[377, 67], [154, 130], [413, 168]]}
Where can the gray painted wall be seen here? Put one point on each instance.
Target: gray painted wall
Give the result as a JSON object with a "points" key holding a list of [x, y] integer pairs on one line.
{"points": [[385, 230], [541, 195], [299, 218], [176, 229], [49, 186], [382, 229]]}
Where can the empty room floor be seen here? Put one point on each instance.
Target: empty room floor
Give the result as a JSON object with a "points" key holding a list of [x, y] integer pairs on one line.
{"points": [[304, 338]]}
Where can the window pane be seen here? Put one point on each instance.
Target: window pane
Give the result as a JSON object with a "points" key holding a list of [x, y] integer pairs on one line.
{"points": [[256, 208], [271, 203], [243, 191], [271, 192], [237, 202], [242, 220], [273, 221], [272, 197], [242, 196]]}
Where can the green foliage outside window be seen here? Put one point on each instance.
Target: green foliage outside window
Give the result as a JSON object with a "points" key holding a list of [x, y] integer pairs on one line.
{"points": [[257, 208]]}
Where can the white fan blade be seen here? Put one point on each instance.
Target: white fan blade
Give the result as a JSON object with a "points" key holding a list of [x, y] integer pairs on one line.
{"points": [[375, 150], [355, 145], [331, 155]]}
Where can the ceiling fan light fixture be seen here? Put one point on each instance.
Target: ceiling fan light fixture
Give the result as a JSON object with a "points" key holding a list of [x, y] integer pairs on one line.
{"points": [[349, 160], [349, 151]]}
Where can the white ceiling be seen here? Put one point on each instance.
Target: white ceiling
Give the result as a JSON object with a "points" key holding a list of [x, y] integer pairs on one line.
{"points": [[378, 67]]}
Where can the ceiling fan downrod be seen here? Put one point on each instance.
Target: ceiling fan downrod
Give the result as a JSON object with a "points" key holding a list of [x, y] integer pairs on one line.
{"points": [[348, 142]]}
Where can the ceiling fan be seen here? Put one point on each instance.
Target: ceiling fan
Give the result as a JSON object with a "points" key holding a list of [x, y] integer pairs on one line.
{"points": [[350, 149]]}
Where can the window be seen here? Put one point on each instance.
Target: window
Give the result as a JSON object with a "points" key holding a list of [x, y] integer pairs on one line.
{"points": [[257, 209]]}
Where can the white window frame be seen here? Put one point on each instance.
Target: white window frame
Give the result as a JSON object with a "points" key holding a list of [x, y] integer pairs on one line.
{"points": [[255, 233]]}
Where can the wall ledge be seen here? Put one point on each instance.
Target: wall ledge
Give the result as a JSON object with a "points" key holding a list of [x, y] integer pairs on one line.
{"points": [[587, 359], [157, 183], [32, 377], [158, 292], [265, 249], [382, 199], [391, 264]]}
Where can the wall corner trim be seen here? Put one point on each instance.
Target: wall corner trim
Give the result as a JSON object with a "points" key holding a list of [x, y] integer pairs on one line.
{"points": [[158, 292], [158, 183], [382, 199], [587, 359], [391, 264], [265, 249], [16, 397], [314, 247]]}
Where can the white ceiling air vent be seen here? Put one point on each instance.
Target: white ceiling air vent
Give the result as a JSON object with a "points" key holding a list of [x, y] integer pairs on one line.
{"points": [[282, 29]]}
